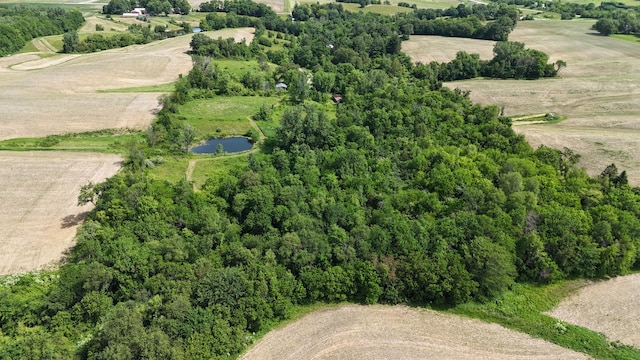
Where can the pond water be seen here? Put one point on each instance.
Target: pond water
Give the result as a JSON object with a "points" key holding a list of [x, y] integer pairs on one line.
{"points": [[229, 145]]}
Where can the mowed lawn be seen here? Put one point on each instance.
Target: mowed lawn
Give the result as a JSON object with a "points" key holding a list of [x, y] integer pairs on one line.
{"points": [[598, 92]]}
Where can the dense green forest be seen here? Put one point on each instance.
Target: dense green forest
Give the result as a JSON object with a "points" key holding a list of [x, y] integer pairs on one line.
{"points": [[21, 23], [404, 192]]}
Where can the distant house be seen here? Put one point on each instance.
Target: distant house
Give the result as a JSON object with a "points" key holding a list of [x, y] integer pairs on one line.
{"points": [[337, 98], [281, 86], [136, 12]]}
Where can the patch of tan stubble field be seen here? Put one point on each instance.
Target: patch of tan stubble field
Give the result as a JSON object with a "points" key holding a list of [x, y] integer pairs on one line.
{"points": [[609, 307], [57, 94], [598, 92], [357, 332]]}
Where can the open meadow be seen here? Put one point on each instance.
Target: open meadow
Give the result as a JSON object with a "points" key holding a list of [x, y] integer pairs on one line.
{"points": [[398, 332], [609, 307], [597, 92]]}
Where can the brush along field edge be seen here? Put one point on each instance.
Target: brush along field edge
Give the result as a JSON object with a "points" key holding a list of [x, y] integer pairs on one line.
{"points": [[609, 307]]}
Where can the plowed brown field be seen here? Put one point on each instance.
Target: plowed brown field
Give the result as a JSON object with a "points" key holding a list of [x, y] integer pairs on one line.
{"points": [[398, 332]]}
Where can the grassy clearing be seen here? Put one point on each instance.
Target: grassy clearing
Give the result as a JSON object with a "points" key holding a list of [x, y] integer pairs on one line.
{"points": [[160, 88], [103, 141], [237, 68], [522, 309], [223, 116], [28, 47], [627, 37], [173, 169], [55, 41], [214, 167]]}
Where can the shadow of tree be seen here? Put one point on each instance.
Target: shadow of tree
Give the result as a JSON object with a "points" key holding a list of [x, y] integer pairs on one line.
{"points": [[73, 219]]}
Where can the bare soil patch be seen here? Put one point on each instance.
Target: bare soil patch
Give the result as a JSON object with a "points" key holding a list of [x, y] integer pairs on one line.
{"points": [[598, 92], [399, 332], [38, 204], [609, 307]]}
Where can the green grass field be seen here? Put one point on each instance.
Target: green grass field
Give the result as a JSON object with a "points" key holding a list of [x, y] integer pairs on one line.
{"points": [[173, 169], [627, 37], [237, 68], [217, 166], [223, 116], [161, 88], [103, 141]]}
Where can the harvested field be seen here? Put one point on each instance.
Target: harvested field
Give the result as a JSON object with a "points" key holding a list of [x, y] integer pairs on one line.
{"points": [[38, 204], [58, 94], [398, 332], [609, 307], [598, 92]]}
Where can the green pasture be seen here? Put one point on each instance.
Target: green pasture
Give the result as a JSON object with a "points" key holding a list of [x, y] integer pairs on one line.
{"points": [[102, 141], [222, 116]]}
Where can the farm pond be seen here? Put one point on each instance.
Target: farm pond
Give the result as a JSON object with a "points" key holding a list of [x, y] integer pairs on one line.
{"points": [[229, 145]]}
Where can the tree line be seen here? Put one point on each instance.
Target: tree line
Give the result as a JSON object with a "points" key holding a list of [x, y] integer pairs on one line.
{"points": [[152, 7], [21, 23]]}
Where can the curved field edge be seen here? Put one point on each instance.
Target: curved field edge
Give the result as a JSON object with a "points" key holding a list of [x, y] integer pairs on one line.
{"points": [[383, 332], [524, 309], [609, 307]]}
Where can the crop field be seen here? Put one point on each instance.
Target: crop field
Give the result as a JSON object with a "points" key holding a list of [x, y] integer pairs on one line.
{"points": [[609, 307], [398, 332], [38, 207], [598, 92], [59, 94]]}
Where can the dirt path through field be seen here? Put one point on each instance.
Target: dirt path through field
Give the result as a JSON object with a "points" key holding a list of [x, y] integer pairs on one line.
{"points": [[598, 91], [609, 307], [398, 332]]}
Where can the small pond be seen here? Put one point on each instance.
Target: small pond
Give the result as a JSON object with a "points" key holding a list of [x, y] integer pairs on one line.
{"points": [[229, 145]]}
